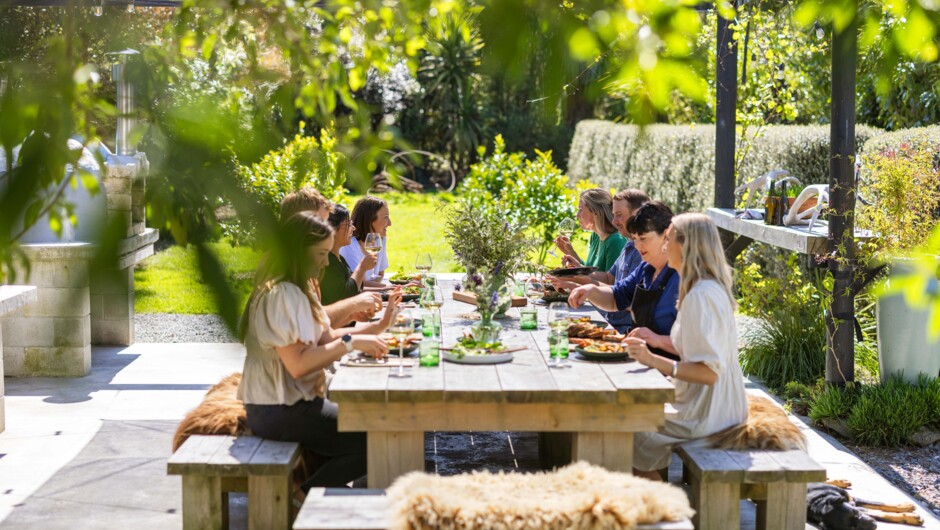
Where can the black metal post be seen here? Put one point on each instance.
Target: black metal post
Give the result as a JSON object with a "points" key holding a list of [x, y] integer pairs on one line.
{"points": [[726, 81], [840, 351]]}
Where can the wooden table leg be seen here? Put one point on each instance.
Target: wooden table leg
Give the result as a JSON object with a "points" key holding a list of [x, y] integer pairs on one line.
{"points": [[717, 505], [554, 449], [610, 450], [784, 508], [392, 454], [269, 501], [202, 502]]}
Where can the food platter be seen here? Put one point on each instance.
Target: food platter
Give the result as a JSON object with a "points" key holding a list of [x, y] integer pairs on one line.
{"points": [[601, 350], [585, 328], [488, 358], [411, 344], [572, 271]]}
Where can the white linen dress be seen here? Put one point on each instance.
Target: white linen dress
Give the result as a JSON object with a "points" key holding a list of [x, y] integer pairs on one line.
{"points": [[705, 331]]}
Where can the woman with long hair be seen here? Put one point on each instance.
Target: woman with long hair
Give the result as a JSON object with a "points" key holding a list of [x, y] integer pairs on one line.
{"points": [[369, 215], [710, 394], [595, 214], [289, 345]]}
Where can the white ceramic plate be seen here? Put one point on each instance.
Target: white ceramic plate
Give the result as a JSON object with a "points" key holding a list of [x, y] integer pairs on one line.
{"points": [[493, 358]]}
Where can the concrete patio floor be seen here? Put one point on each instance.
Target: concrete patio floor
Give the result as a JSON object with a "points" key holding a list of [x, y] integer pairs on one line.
{"points": [[90, 453]]}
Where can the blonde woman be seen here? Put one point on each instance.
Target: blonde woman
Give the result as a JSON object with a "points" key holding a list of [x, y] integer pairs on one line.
{"points": [[710, 393], [289, 343], [595, 214]]}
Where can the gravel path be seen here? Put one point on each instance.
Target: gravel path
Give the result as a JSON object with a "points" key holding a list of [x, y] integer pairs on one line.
{"points": [[916, 470], [166, 327]]}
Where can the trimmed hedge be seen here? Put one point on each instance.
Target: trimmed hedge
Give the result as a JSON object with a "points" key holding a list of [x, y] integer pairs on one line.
{"points": [[894, 140], [676, 163]]}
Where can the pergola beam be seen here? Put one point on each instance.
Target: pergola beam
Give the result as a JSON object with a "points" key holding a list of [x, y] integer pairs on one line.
{"points": [[726, 85], [89, 3], [840, 348]]}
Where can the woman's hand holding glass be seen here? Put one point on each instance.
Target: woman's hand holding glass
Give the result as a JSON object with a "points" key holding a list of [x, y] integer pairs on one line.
{"points": [[534, 288], [564, 245], [368, 262]]}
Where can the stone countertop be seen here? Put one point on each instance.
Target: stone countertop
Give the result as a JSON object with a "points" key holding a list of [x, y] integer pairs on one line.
{"points": [[13, 297]]}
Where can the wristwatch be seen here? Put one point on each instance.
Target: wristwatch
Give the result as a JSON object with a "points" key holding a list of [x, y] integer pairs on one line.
{"points": [[347, 341]]}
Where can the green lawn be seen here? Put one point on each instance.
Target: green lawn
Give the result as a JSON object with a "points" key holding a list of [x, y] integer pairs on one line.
{"points": [[169, 282]]}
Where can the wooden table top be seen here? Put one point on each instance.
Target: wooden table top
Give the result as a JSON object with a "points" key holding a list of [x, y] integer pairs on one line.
{"points": [[527, 379]]}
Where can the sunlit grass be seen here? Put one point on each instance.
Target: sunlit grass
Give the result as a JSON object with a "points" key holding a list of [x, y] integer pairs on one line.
{"points": [[169, 282]]}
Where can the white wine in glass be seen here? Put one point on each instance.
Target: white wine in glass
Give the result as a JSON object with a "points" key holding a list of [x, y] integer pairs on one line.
{"points": [[423, 262], [401, 329], [431, 297], [566, 227], [373, 245]]}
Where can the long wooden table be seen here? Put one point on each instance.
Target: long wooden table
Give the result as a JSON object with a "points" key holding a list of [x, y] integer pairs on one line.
{"points": [[601, 405]]}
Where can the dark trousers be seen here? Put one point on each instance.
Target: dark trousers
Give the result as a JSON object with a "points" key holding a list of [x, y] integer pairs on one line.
{"points": [[313, 425]]}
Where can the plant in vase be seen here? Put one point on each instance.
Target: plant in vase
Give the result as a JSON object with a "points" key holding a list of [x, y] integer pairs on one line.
{"points": [[483, 240], [493, 296]]}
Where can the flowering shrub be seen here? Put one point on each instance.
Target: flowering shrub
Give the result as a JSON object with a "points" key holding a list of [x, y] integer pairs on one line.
{"points": [[903, 183], [533, 193]]}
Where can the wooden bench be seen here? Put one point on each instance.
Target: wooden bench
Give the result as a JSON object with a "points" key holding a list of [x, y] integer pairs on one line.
{"points": [[214, 466], [774, 480], [346, 509]]}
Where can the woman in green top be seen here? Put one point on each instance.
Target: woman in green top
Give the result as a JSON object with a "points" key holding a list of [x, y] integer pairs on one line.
{"points": [[596, 214]]}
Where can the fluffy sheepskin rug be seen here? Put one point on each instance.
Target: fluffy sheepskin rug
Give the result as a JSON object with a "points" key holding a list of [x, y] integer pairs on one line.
{"points": [[579, 496], [767, 428], [220, 412]]}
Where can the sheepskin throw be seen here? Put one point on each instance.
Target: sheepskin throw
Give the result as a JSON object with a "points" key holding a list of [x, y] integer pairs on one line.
{"points": [[579, 496], [767, 428], [221, 412]]}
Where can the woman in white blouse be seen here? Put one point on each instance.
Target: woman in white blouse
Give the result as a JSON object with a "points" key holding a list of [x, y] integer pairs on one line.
{"points": [[710, 394], [289, 343], [369, 215]]}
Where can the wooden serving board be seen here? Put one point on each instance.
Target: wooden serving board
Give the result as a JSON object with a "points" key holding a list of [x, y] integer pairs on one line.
{"points": [[470, 298]]}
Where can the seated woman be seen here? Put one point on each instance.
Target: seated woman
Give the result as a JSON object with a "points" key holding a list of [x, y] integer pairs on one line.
{"points": [[650, 290], [710, 394], [289, 342], [339, 280], [595, 213], [369, 215]]}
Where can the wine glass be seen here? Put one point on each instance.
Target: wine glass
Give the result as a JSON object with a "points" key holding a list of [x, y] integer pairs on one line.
{"points": [[401, 329], [534, 288], [423, 262], [566, 227], [373, 245], [558, 320]]}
